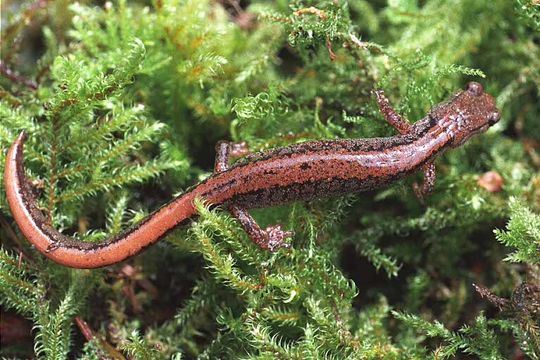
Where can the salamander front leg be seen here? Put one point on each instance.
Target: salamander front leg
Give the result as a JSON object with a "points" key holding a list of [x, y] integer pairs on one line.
{"points": [[391, 116], [429, 182], [403, 126], [272, 238]]}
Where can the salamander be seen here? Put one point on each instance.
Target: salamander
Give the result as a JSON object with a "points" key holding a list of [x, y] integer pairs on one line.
{"points": [[303, 171]]}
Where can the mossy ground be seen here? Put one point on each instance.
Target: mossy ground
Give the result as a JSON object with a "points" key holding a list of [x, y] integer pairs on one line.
{"points": [[124, 102]]}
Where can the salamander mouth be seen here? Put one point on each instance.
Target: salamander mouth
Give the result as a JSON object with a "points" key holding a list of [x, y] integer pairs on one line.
{"points": [[494, 117], [476, 131]]}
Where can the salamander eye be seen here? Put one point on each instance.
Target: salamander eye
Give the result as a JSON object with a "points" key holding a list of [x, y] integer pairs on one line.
{"points": [[494, 117], [474, 88]]}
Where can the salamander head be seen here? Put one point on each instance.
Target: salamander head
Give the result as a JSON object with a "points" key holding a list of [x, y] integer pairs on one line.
{"points": [[470, 112]]}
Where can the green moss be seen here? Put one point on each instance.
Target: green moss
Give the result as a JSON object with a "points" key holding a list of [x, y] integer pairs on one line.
{"points": [[124, 102]]}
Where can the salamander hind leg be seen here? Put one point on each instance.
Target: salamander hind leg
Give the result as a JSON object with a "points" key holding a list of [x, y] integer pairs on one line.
{"points": [[272, 238], [390, 115], [428, 184], [225, 151]]}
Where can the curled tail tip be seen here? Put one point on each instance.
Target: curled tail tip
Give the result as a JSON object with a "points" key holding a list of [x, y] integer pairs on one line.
{"points": [[23, 136]]}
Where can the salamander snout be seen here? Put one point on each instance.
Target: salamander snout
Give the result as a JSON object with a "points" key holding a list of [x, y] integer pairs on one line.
{"points": [[474, 88], [493, 117], [471, 112]]}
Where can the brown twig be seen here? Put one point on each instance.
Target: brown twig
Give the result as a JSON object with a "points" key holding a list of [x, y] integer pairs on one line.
{"points": [[312, 10], [16, 77], [499, 302], [108, 351], [356, 41], [330, 51], [85, 329]]}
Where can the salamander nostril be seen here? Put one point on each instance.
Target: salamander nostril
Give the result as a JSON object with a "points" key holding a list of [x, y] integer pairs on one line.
{"points": [[475, 88], [494, 117]]}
